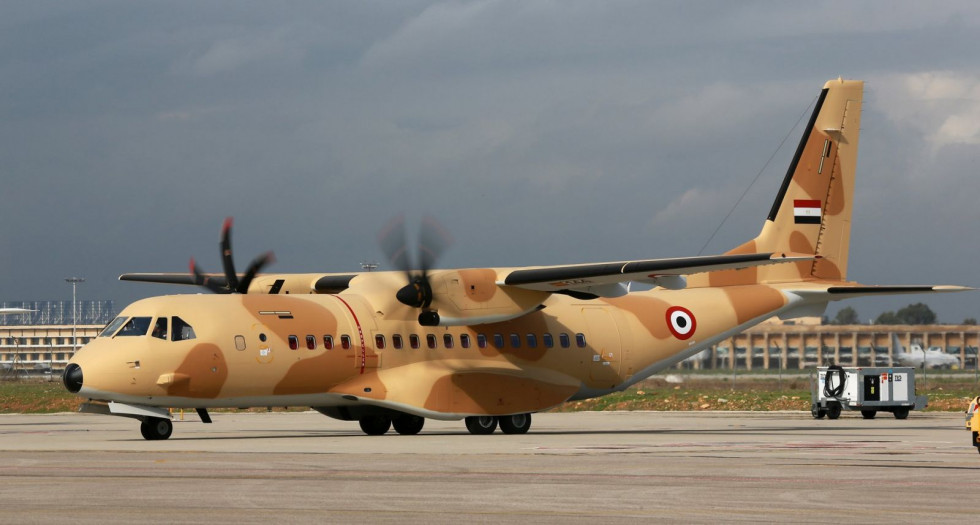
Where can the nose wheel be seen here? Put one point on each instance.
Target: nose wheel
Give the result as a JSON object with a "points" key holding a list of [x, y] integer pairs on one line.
{"points": [[156, 428]]}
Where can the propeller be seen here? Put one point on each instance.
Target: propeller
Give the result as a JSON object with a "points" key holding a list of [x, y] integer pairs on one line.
{"points": [[433, 240], [232, 284]]}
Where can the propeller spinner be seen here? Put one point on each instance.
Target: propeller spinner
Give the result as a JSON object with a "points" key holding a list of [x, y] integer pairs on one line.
{"points": [[433, 240], [232, 283]]}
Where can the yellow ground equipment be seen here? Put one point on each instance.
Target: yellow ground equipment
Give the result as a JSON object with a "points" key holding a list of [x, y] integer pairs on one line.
{"points": [[973, 421]]}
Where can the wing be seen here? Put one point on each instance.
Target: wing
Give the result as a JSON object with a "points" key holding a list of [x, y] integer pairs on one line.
{"points": [[171, 278], [608, 279]]}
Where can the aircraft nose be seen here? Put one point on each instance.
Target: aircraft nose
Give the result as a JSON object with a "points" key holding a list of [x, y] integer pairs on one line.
{"points": [[73, 378]]}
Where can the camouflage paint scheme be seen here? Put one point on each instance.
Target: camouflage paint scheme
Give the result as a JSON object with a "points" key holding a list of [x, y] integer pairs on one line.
{"points": [[629, 336]]}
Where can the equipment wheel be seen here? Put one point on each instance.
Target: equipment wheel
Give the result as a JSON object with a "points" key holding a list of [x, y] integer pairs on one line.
{"points": [[375, 425], [868, 414], [833, 411], [817, 412], [516, 424], [408, 425], [902, 413], [156, 428], [481, 425]]}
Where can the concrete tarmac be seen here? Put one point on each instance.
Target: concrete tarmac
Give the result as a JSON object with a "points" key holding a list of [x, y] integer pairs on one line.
{"points": [[599, 467]]}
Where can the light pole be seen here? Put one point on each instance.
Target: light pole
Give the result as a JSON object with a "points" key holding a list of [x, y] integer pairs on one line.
{"points": [[74, 283]]}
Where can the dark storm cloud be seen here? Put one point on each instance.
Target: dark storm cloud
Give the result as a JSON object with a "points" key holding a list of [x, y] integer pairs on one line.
{"points": [[540, 132]]}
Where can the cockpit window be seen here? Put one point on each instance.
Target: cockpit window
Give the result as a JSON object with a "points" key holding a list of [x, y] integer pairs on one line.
{"points": [[160, 329], [135, 326], [181, 330], [112, 327]]}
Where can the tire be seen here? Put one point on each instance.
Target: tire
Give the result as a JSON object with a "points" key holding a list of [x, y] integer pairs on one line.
{"points": [[817, 412], [833, 411], [901, 413], [515, 424], [408, 425], [156, 428], [375, 425], [868, 414], [481, 425]]}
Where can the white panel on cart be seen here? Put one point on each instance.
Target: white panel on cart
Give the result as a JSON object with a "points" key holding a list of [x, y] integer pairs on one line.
{"points": [[884, 387], [900, 386], [852, 384]]}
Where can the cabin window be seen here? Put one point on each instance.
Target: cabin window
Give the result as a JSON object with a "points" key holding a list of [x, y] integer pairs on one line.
{"points": [[564, 340], [112, 327], [498, 341], [532, 341], [481, 340], [328, 342], [414, 341], [160, 329], [549, 342], [311, 342], [345, 342], [239, 342], [180, 330], [430, 340], [397, 342], [464, 340], [447, 340], [515, 340], [580, 340], [135, 326], [293, 342], [379, 341]]}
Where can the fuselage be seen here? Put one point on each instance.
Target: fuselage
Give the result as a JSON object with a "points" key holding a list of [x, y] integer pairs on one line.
{"points": [[206, 351]]}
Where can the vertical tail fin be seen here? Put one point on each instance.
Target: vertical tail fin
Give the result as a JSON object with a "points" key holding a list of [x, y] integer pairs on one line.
{"points": [[812, 211]]}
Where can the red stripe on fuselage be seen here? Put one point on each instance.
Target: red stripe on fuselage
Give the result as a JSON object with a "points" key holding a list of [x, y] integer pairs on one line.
{"points": [[360, 334]]}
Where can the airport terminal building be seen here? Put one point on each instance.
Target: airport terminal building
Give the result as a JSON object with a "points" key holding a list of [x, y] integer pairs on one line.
{"points": [[42, 341]]}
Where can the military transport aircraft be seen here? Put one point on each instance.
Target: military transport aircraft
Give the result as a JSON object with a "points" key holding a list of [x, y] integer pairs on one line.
{"points": [[487, 345]]}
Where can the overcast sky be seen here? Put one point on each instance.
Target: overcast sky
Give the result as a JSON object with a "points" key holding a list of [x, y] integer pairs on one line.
{"points": [[538, 132]]}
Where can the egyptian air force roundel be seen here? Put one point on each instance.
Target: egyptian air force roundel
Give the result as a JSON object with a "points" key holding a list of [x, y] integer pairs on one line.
{"points": [[681, 322]]}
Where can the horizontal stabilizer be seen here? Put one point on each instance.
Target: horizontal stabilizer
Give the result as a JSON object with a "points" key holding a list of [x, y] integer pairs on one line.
{"points": [[894, 289], [835, 293]]}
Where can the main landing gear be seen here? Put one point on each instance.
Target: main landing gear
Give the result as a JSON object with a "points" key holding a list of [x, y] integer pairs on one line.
{"points": [[409, 425], [483, 425], [406, 424], [156, 428]]}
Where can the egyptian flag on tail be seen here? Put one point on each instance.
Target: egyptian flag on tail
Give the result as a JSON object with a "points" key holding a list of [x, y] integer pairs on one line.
{"points": [[806, 211]]}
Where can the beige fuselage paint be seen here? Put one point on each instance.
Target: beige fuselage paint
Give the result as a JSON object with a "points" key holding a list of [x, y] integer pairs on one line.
{"points": [[622, 338]]}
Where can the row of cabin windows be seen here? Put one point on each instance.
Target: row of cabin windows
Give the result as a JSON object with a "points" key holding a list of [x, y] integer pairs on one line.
{"points": [[38, 341], [448, 341]]}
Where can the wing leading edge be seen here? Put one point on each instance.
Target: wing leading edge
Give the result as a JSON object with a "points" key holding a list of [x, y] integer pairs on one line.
{"points": [[608, 279]]}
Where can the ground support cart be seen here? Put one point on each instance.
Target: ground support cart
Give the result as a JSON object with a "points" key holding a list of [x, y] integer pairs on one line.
{"points": [[870, 390]]}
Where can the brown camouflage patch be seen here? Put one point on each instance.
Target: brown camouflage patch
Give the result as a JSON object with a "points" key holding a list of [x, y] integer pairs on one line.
{"points": [[649, 311], [494, 394], [206, 369], [750, 302]]}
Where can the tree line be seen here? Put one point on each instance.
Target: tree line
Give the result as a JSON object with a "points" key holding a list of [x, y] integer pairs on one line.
{"points": [[918, 313]]}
